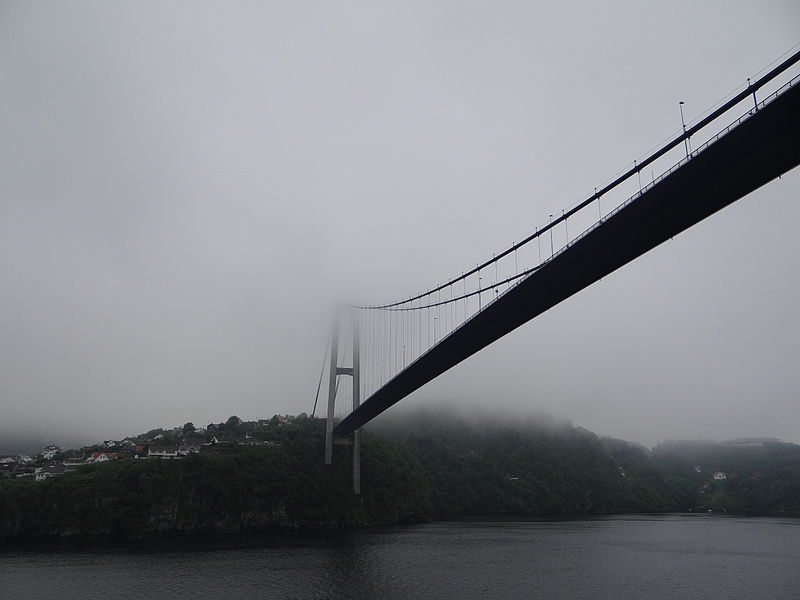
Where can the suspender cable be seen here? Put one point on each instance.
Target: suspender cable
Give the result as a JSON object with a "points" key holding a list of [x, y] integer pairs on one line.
{"points": [[319, 385]]}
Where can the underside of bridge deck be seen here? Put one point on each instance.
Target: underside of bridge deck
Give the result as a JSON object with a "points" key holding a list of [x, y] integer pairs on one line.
{"points": [[761, 148]]}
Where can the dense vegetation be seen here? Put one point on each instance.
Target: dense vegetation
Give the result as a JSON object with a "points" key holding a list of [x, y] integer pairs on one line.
{"points": [[416, 467], [541, 466], [223, 488], [762, 476], [533, 467]]}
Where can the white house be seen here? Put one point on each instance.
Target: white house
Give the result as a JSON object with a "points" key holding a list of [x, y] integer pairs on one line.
{"points": [[186, 449], [50, 451], [97, 457], [51, 469], [162, 452]]}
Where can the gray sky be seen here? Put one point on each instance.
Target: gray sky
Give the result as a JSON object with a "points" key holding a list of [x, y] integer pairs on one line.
{"points": [[185, 187]]}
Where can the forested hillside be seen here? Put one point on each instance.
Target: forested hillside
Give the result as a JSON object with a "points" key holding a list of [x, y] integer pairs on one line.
{"points": [[535, 466], [225, 487], [414, 467], [761, 476]]}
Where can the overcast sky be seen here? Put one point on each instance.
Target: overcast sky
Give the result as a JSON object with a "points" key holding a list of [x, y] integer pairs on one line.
{"points": [[185, 187]]}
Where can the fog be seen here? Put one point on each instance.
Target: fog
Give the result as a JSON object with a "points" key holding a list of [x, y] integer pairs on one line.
{"points": [[187, 187]]}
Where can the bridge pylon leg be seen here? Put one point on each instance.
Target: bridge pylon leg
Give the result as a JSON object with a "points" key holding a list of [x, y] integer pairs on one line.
{"points": [[356, 403], [355, 372], [332, 394]]}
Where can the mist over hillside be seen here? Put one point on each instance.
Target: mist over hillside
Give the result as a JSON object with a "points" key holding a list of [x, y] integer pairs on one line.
{"points": [[395, 422]]}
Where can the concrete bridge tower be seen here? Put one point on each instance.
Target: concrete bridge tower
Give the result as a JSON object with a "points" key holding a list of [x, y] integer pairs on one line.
{"points": [[334, 371]]}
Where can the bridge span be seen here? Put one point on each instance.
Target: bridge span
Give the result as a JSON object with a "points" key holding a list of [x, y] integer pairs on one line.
{"points": [[756, 148]]}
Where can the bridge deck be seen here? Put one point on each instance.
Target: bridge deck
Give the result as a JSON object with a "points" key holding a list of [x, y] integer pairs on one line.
{"points": [[758, 150]]}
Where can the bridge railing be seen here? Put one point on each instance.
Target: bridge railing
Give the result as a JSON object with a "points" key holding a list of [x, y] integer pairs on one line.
{"points": [[694, 153]]}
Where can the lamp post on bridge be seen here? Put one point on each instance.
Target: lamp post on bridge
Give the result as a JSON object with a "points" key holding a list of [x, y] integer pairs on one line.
{"points": [[750, 86], [683, 125]]}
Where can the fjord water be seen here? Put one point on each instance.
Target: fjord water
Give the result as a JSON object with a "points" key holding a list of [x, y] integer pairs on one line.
{"points": [[654, 557]]}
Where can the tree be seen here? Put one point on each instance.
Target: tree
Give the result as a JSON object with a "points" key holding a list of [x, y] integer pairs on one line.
{"points": [[233, 421], [188, 428]]}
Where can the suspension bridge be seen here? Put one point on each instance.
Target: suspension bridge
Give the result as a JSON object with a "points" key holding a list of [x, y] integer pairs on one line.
{"points": [[398, 347]]}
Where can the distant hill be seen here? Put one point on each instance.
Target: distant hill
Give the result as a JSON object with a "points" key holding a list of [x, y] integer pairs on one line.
{"points": [[750, 475]]}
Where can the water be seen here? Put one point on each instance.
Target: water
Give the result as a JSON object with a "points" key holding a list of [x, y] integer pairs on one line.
{"points": [[653, 557]]}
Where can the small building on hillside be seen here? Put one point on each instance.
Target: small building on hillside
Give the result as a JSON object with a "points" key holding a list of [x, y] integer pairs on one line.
{"points": [[720, 475], [163, 452], [8, 466], [49, 452], [217, 440], [186, 449], [98, 457], [51, 469], [74, 458]]}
